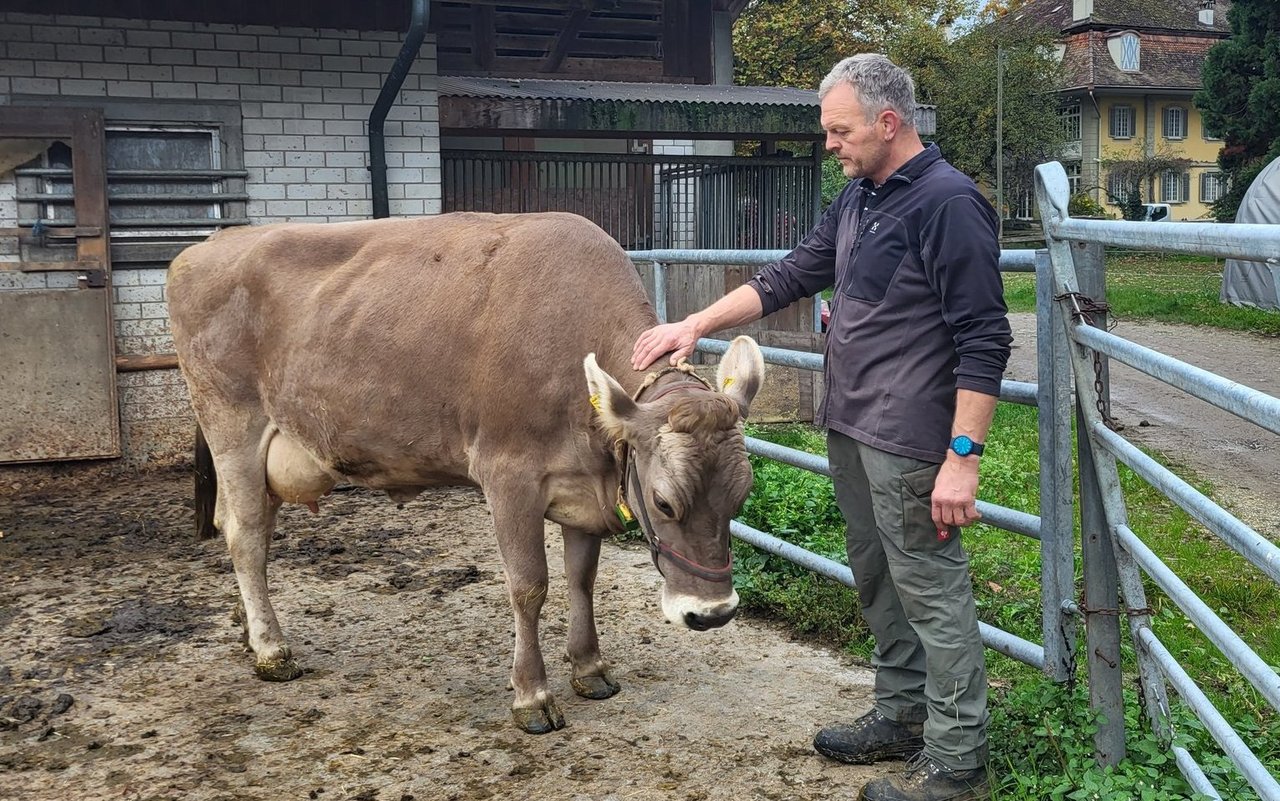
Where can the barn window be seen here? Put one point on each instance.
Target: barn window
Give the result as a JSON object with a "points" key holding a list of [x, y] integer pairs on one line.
{"points": [[162, 182], [168, 184]]}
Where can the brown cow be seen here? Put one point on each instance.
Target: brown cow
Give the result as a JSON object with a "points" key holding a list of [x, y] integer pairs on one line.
{"points": [[409, 353]]}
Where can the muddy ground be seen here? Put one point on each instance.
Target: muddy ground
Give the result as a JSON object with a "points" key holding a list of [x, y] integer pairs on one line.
{"points": [[122, 675]]}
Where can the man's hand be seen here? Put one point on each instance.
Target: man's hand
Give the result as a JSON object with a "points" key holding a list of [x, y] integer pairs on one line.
{"points": [[678, 339], [955, 493]]}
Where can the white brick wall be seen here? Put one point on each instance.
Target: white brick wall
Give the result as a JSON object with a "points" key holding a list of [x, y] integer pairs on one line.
{"points": [[305, 96]]}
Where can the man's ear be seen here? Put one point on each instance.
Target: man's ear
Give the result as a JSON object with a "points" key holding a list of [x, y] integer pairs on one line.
{"points": [[741, 372], [892, 123], [613, 405]]}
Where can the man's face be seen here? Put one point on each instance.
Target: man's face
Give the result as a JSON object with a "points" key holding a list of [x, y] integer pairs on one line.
{"points": [[858, 144]]}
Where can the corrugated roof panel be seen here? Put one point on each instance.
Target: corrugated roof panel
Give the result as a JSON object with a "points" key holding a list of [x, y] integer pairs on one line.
{"points": [[547, 89]]}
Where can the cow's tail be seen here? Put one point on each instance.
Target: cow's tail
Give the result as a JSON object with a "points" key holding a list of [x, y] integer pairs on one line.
{"points": [[206, 488]]}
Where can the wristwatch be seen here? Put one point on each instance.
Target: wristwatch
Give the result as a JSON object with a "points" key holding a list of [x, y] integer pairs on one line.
{"points": [[963, 446]]}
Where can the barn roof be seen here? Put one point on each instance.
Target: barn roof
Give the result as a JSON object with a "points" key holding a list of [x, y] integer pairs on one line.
{"points": [[659, 108]]}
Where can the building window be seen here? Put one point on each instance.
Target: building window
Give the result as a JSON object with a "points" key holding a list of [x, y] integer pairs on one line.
{"points": [[1070, 117], [1175, 186], [1073, 176], [1122, 122], [1119, 187], [1209, 134], [1175, 122], [174, 173], [1130, 53], [1212, 187], [1024, 206], [163, 182]]}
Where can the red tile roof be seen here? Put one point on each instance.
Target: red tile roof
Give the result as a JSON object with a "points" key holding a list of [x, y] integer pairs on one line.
{"points": [[1173, 42]]}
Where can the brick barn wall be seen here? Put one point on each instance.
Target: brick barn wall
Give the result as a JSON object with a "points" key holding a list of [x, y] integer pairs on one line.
{"points": [[304, 97]]}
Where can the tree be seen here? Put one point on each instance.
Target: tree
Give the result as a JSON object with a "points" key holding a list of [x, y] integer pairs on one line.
{"points": [[960, 78], [1240, 100], [795, 43], [1136, 169]]}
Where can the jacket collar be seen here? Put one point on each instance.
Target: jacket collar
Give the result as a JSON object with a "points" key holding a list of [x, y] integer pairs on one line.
{"points": [[911, 170]]}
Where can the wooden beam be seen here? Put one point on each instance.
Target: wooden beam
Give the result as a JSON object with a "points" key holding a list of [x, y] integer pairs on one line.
{"points": [[565, 40], [78, 266], [134, 362], [482, 31]]}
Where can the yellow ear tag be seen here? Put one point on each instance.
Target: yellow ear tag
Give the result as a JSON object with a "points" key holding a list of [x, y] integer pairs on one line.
{"points": [[625, 517], [595, 402], [726, 383]]}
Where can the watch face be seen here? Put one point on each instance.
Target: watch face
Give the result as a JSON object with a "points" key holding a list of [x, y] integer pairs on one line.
{"points": [[962, 445]]}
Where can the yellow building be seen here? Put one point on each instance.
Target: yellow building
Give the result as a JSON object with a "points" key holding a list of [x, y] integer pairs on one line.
{"points": [[1131, 69]]}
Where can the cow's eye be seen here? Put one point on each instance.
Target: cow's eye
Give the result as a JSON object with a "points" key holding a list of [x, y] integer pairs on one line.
{"points": [[660, 503]]}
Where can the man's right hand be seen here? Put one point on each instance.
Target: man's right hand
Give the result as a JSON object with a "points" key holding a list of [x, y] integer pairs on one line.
{"points": [[678, 339]]}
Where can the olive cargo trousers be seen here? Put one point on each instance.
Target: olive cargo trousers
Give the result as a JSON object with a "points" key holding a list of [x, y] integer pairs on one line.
{"points": [[916, 596]]}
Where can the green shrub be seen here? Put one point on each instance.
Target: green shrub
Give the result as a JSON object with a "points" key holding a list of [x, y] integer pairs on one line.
{"points": [[1082, 204]]}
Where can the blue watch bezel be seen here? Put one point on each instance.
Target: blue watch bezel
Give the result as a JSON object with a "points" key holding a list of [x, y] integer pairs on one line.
{"points": [[963, 445]]}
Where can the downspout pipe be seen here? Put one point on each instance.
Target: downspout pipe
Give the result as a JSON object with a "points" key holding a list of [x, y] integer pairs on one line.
{"points": [[386, 98]]}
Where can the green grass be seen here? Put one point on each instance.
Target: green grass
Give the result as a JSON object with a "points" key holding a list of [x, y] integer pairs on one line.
{"points": [[799, 507], [1167, 287]]}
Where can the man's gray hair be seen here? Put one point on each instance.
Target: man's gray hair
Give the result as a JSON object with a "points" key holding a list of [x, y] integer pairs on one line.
{"points": [[878, 83]]}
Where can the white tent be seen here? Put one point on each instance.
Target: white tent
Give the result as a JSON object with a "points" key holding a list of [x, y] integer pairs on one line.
{"points": [[1256, 283]]}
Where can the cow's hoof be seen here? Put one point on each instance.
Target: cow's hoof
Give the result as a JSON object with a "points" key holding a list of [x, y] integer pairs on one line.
{"points": [[539, 720], [278, 670], [595, 687]]}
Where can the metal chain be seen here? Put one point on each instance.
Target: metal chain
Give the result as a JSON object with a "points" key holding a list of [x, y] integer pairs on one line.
{"points": [[1114, 611], [1083, 307]]}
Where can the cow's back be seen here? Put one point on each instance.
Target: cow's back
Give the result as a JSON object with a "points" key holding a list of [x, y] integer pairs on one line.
{"points": [[395, 346]]}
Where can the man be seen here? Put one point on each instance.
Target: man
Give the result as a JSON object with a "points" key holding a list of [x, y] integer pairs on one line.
{"points": [[916, 347]]}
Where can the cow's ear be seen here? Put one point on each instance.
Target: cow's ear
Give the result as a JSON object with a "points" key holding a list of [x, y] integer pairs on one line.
{"points": [[741, 372], [613, 405]]}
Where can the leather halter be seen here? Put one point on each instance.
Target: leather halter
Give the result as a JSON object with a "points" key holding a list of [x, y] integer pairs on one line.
{"points": [[630, 479]]}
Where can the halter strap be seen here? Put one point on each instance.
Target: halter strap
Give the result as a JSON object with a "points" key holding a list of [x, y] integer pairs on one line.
{"points": [[630, 479]]}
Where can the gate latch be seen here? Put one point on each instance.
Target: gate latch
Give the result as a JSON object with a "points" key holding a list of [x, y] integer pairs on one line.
{"points": [[92, 279]]}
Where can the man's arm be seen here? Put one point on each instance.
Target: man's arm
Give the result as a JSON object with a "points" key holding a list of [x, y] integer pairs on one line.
{"points": [[808, 268], [740, 306], [955, 490]]}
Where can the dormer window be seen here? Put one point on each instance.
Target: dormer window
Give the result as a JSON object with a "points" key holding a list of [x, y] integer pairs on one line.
{"points": [[1130, 52]]}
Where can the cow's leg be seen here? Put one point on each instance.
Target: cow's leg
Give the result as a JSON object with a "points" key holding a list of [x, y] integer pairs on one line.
{"points": [[591, 677], [248, 518], [517, 521]]}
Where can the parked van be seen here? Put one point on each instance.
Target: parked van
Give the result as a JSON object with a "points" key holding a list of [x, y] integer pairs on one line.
{"points": [[1157, 212]]}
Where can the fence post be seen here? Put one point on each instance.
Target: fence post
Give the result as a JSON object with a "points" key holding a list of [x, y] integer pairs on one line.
{"points": [[1101, 581], [660, 291], [1057, 487]]}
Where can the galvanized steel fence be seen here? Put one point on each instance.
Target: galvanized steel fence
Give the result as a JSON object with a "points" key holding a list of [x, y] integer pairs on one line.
{"points": [[1072, 348]]}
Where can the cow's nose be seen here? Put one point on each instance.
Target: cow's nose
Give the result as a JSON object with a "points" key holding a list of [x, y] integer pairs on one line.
{"points": [[712, 620]]}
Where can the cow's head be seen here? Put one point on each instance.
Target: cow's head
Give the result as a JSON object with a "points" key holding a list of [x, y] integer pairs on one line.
{"points": [[687, 476]]}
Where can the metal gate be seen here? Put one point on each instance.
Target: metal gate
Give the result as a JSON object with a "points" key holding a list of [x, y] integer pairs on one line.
{"points": [[647, 201], [57, 343]]}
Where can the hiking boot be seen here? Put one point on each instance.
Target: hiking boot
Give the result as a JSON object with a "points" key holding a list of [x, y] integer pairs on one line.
{"points": [[870, 738], [926, 780]]}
